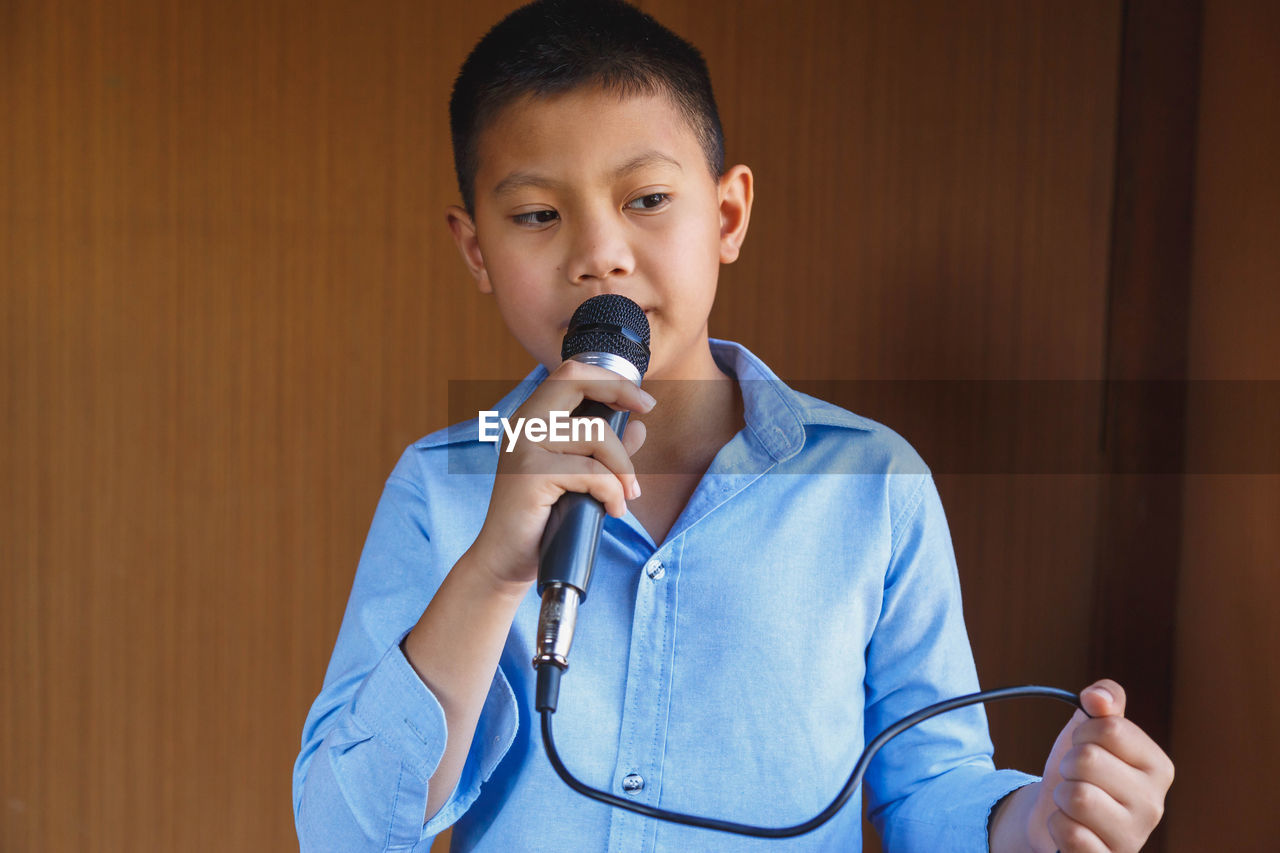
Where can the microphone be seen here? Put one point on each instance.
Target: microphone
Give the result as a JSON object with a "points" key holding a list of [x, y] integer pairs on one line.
{"points": [[612, 332]]}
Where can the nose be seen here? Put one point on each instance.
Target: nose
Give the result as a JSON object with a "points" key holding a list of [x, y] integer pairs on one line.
{"points": [[599, 250]]}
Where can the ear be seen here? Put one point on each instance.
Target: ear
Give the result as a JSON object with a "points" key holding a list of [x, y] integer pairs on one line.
{"points": [[736, 191], [463, 228]]}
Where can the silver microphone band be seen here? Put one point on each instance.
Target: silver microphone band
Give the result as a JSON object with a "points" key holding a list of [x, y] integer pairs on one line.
{"points": [[609, 361]]}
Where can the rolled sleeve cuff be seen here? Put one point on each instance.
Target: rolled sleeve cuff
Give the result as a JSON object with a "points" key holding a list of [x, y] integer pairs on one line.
{"points": [[952, 811], [408, 729]]}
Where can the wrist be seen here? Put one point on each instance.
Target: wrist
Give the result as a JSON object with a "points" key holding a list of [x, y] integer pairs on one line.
{"points": [[463, 628], [481, 567], [1007, 828]]}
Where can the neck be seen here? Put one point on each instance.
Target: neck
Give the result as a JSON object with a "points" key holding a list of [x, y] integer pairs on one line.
{"points": [[699, 409]]}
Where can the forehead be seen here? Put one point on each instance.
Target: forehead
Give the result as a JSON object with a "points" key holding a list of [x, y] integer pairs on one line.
{"points": [[585, 133]]}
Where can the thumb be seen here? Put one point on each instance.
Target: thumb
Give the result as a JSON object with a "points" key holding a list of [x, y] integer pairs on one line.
{"points": [[633, 436], [1103, 698]]}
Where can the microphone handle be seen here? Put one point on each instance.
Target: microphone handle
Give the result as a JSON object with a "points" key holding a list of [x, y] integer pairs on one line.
{"points": [[568, 548]]}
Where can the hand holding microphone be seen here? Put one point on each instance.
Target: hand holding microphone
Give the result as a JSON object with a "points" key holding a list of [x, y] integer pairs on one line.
{"points": [[532, 477]]}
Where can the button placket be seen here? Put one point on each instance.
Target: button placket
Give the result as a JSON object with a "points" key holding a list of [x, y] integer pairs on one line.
{"points": [[642, 736]]}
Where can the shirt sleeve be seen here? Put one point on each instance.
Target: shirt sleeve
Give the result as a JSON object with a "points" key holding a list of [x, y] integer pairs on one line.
{"points": [[376, 732], [933, 786]]}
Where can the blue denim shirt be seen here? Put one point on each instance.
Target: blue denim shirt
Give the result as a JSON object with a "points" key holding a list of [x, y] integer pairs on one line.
{"points": [[805, 599]]}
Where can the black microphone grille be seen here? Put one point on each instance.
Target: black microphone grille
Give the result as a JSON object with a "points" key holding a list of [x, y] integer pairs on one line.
{"points": [[609, 323]]}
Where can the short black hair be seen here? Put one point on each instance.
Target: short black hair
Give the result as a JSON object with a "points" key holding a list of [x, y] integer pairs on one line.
{"points": [[553, 46]]}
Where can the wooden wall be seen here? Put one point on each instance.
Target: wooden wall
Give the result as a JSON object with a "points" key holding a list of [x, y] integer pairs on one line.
{"points": [[1227, 704], [229, 301]]}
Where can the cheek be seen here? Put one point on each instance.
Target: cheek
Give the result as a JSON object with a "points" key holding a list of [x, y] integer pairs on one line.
{"points": [[518, 278], [689, 246], [525, 301], [689, 258]]}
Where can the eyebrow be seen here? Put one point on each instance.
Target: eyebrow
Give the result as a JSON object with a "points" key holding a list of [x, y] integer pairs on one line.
{"points": [[520, 180]]}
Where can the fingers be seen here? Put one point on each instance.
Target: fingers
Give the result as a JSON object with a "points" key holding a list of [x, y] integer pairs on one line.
{"points": [[573, 381], [1125, 740], [1094, 764], [609, 450], [546, 455], [1071, 836], [1092, 807], [589, 476], [1118, 759]]}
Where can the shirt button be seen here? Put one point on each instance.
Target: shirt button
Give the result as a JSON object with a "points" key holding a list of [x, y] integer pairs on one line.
{"points": [[654, 569], [632, 783]]}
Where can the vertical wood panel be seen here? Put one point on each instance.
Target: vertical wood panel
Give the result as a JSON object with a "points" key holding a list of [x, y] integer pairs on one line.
{"points": [[229, 301], [933, 183], [1140, 512], [1226, 706]]}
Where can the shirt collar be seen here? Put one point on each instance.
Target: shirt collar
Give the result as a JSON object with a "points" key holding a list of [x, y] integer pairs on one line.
{"points": [[775, 413]]}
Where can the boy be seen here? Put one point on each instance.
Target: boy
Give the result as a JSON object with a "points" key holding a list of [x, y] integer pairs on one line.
{"points": [[724, 667]]}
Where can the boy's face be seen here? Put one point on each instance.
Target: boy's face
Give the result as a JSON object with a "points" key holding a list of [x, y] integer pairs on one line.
{"points": [[587, 193]]}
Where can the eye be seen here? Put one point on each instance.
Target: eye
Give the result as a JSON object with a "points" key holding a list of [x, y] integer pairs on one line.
{"points": [[652, 201], [535, 217]]}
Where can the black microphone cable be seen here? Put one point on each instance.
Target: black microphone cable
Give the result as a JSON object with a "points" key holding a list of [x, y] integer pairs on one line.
{"points": [[548, 689]]}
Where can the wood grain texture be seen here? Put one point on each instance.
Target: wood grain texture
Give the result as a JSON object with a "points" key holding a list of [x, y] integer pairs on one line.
{"points": [[226, 278], [1140, 513], [229, 301], [1226, 707], [960, 153]]}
